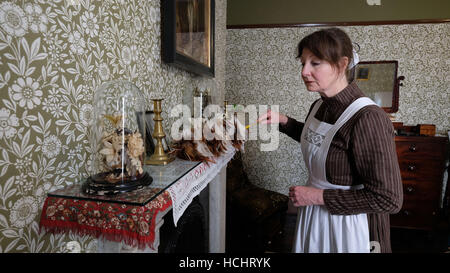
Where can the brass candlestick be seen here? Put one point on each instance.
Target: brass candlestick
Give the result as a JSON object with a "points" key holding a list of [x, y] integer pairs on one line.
{"points": [[159, 157], [225, 105]]}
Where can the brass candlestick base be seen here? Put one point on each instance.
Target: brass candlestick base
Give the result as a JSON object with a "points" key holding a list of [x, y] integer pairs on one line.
{"points": [[159, 157]]}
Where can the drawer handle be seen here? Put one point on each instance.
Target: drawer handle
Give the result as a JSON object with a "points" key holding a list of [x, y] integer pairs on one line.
{"points": [[411, 168], [407, 212], [409, 189], [413, 148]]}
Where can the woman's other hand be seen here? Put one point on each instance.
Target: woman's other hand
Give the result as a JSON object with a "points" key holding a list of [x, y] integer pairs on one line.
{"points": [[305, 196], [272, 117]]}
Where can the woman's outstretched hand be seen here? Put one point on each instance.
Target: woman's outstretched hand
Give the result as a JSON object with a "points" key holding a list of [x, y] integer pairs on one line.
{"points": [[272, 117]]}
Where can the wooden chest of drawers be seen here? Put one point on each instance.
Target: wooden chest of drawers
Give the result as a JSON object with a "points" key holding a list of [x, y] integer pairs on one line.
{"points": [[422, 164]]}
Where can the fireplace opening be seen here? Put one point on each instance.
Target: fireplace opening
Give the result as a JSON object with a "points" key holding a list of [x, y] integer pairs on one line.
{"points": [[189, 236]]}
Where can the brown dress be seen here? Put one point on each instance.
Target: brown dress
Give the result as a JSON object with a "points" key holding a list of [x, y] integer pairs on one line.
{"points": [[361, 152]]}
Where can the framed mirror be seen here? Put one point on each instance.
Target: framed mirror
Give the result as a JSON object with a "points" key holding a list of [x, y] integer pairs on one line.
{"points": [[379, 81]]}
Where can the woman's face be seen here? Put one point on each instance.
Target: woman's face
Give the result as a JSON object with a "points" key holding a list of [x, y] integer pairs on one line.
{"points": [[320, 76]]}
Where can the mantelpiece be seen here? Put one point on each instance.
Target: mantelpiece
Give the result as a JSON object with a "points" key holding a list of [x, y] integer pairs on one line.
{"points": [[62, 208]]}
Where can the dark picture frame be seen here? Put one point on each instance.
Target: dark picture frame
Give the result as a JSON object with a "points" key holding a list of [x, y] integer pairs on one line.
{"points": [[188, 35]]}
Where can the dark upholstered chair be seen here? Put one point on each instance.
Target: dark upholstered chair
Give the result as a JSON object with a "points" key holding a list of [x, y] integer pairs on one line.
{"points": [[254, 215]]}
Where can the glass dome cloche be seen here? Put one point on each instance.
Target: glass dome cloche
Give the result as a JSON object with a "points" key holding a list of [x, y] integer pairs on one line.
{"points": [[117, 140]]}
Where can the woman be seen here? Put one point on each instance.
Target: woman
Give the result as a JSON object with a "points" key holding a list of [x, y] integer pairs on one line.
{"points": [[347, 142]]}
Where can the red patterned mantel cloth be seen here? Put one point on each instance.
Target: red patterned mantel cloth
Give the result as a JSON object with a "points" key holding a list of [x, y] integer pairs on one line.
{"points": [[133, 225]]}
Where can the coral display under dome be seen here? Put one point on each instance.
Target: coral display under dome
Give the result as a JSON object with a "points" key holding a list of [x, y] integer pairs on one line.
{"points": [[117, 140]]}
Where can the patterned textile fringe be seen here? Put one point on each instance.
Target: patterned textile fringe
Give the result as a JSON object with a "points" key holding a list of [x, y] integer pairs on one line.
{"points": [[130, 238]]}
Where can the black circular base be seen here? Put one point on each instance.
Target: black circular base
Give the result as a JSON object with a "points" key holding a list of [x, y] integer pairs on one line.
{"points": [[97, 186]]}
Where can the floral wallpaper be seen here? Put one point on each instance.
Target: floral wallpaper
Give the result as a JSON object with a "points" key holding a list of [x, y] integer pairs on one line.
{"points": [[53, 56], [262, 69]]}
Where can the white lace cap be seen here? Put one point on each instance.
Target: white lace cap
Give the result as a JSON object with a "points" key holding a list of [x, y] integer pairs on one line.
{"points": [[355, 60]]}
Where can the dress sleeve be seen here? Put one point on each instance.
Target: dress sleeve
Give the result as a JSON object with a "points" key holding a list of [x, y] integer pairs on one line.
{"points": [[292, 128], [372, 147]]}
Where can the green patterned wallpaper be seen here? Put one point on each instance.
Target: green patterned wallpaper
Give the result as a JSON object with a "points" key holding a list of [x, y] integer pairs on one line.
{"points": [[262, 69], [53, 56]]}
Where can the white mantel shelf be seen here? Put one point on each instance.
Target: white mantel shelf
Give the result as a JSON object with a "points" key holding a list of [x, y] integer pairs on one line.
{"points": [[216, 179]]}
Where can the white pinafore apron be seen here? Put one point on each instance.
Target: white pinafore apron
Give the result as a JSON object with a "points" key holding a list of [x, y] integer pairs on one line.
{"points": [[317, 231]]}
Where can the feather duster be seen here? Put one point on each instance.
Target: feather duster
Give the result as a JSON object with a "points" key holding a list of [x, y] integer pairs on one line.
{"points": [[207, 149]]}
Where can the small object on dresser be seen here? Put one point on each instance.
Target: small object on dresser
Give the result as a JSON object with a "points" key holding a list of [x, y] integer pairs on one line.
{"points": [[403, 132], [426, 129]]}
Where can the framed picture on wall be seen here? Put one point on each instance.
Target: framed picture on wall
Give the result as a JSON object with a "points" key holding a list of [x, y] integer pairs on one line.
{"points": [[188, 35], [363, 73]]}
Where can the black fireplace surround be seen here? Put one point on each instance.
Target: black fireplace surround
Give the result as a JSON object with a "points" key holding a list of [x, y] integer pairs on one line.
{"points": [[189, 236]]}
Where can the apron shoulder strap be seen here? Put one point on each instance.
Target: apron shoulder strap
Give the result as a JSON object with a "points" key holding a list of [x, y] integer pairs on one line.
{"points": [[343, 118], [352, 109], [316, 107], [310, 118]]}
